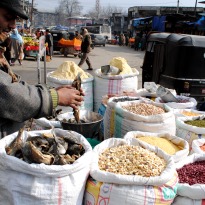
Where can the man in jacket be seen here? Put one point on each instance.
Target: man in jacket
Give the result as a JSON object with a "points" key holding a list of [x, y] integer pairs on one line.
{"points": [[20, 101], [85, 49], [49, 41]]}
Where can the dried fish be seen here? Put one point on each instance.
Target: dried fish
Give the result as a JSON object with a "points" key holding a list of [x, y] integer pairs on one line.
{"points": [[31, 153], [77, 84], [66, 159], [16, 145]]}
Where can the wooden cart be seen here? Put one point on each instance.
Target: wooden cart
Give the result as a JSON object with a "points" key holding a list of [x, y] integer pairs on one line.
{"points": [[72, 47]]}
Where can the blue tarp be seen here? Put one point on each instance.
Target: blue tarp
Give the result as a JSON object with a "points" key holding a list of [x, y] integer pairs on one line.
{"points": [[141, 21], [201, 23], [158, 23]]}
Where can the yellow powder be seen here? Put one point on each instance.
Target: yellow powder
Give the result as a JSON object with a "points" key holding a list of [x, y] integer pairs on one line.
{"points": [[164, 144], [189, 113], [68, 71], [122, 64]]}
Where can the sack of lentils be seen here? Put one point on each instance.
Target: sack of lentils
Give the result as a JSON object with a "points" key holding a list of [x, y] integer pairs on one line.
{"points": [[190, 128], [191, 180], [109, 116], [170, 144], [143, 116], [126, 174]]}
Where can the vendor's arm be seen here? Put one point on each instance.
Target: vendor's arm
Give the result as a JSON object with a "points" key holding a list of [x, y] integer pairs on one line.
{"points": [[20, 101]]}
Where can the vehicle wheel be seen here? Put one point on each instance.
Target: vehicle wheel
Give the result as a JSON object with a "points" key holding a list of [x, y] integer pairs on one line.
{"points": [[79, 55], [104, 45], [65, 54], [75, 55]]}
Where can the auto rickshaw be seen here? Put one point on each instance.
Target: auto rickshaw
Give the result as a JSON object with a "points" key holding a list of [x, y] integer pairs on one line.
{"points": [[176, 61]]}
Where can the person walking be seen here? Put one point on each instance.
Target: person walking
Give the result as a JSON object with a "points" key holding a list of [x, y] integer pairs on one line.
{"points": [[16, 47], [85, 49], [49, 41], [20, 101]]}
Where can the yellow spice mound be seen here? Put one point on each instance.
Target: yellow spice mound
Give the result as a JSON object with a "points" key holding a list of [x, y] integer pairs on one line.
{"points": [[122, 64], [68, 71], [164, 144]]}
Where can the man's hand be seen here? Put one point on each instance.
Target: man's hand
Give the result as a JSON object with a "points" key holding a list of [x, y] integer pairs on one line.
{"points": [[69, 96]]}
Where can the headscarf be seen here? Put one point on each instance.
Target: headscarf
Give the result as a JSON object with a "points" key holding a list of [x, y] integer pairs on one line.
{"points": [[15, 35]]}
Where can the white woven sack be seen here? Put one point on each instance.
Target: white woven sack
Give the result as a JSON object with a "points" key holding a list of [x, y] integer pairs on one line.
{"points": [[178, 156], [192, 192], [98, 193], [191, 104], [109, 177], [195, 148], [126, 121], [180, 200], [188, 132], [179, 112], [115, 84], [47, 124], [39, 184], [87, 87], [109, 117]]}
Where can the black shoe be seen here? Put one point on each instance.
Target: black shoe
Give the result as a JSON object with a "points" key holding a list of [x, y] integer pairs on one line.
{"points": [[90, 69]]}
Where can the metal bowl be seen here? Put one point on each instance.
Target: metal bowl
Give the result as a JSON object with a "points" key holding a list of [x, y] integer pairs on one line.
{"points": [[89, 128]]}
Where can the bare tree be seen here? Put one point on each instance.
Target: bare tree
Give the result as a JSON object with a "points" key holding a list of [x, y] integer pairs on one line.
{"points": [[70, 7], [105, 12]]}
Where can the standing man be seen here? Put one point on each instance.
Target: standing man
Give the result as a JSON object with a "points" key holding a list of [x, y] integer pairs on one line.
{"points": [[85, 49], [20, 101], [49, 41]]}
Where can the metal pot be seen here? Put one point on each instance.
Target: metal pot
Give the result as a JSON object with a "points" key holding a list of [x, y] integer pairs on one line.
{"points": [[89, 128]]}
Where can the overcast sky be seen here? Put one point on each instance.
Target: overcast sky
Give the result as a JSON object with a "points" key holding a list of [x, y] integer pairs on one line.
{"points": [[49, 5]]}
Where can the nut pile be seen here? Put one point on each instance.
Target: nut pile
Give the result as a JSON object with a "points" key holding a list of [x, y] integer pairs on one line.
{"points": [[144, 109], [131, 160]]}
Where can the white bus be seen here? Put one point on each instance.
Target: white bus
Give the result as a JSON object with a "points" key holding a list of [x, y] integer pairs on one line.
{"points": [[104, 30]]}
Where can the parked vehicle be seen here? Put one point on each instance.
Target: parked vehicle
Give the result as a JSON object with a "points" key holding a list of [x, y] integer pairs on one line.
{"points": [[58, 35], [98, 40], [176, 61]]}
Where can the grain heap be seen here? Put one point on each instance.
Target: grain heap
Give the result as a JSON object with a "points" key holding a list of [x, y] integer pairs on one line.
{"points": [[122, 64], [131, 160], [164, 144], [68, 71], [144, 109], [197, 123], [190, 113]]}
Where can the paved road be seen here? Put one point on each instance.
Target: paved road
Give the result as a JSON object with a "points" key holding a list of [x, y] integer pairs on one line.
{"points": [[99, 56]]}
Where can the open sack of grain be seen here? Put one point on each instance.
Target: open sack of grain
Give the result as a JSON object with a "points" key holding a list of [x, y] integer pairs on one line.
{"points": [[109, 115], [142, 115], [183, 102], [24, 183], [190, 128], [186, 112], [170, 144], [65, 74], [191, 180], [127, 79], [126, 174]]}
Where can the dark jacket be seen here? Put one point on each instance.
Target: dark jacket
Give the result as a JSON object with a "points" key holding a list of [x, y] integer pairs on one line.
{"points": [[20, 102], [86, 44]]}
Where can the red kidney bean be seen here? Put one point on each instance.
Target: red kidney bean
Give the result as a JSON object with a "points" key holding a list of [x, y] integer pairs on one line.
{"points": [[193, 173]]}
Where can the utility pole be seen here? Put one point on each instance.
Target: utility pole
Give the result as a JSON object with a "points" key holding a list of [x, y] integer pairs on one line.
{"points": [[31, 16], [177, 6], [195, 8], [97, 6]]}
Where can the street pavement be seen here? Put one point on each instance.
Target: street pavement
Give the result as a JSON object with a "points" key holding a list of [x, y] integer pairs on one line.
{"points": [[99, 56]]}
